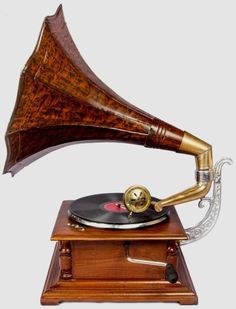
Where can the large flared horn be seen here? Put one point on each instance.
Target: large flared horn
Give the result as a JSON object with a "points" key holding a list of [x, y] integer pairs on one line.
{"points": [[61, 101]]}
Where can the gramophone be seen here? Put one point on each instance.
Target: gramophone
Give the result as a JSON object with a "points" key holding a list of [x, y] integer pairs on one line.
{"points": [[112, 246]]}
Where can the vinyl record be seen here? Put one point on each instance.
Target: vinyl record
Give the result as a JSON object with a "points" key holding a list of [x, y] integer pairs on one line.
{"points": [[108, 211]]}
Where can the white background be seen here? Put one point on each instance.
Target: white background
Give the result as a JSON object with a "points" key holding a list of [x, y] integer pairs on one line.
{"points": [[174, 59]]}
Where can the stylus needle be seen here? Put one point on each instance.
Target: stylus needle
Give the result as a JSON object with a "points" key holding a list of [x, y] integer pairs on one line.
{"points": [[130, 214]]}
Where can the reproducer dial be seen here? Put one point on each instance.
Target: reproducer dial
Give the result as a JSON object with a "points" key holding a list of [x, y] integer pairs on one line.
{"points": [[137, 199]]}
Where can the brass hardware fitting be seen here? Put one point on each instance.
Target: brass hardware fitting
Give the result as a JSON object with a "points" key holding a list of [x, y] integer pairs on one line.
{"points": [[202, 151]]}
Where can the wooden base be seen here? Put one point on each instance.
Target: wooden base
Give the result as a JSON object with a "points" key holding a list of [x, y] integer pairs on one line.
{"points": [[57, 290], [86, 267]]}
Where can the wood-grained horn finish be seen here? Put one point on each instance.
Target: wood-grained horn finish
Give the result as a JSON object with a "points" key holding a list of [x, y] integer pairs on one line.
{"points": [[61, 101]]}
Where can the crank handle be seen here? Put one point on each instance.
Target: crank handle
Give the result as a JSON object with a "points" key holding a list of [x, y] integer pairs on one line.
{"points": [[170, 273]]}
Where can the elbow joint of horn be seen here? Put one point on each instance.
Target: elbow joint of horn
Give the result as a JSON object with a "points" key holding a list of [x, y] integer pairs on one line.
{"points": [[202, 151]]}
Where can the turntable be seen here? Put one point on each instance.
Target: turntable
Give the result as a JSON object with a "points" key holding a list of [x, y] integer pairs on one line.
{"points": [[108, 211], [111, 246]]}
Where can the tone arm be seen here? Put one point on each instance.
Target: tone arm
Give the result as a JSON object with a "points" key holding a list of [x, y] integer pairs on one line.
{"points": [[204, 174]]}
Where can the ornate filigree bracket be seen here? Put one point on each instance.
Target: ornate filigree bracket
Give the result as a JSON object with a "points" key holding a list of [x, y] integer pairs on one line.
{"points": [[214, 202]]}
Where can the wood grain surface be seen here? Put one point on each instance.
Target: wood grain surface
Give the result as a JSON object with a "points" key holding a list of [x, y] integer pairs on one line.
{"points": [[92, 265], [61, 101], [170, 229]]}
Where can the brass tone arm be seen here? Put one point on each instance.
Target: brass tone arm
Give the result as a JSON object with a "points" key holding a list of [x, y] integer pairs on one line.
{"points": [[204, 174]]}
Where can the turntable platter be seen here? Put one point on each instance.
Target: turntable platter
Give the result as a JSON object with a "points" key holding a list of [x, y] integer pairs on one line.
{"points": [[108, 211]]}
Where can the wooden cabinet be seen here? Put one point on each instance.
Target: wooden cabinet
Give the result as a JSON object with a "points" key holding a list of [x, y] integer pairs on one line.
{"points": [[91, 264]]}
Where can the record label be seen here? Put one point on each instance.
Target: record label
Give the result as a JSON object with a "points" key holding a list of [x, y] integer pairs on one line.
{"points": [[115, 207]]}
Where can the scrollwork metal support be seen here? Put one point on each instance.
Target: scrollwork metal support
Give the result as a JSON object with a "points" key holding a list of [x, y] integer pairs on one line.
{"points": [[208, 222]]}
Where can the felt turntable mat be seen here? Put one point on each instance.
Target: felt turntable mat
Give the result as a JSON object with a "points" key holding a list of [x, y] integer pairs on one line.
{"points": [[109, 208]]}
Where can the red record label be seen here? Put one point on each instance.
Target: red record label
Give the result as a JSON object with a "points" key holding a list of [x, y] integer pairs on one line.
{"points": [[115, 207]]}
